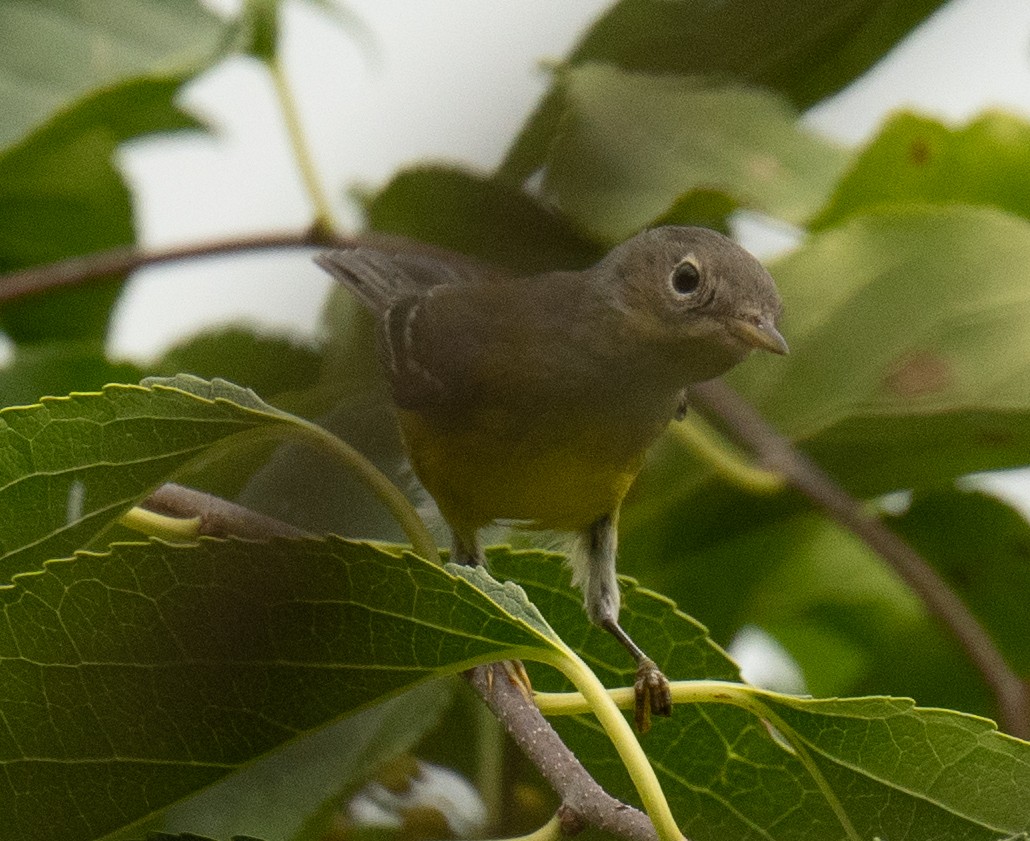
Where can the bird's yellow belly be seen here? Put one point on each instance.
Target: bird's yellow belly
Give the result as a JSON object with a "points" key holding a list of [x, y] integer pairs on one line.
{"points": [[547, 474]]}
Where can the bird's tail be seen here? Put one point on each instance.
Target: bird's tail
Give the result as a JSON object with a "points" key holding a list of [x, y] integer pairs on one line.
{"points": [[380, 280], [374, 277]]}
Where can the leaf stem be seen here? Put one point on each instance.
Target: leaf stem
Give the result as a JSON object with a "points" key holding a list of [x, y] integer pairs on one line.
{"points": [[550, 831], [422, 542], [729, 463], [324, 216], [174, 529], [598, 701]]}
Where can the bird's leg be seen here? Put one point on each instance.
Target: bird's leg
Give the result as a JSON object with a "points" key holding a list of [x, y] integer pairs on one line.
{"points": [[468, 551], [682, 405], [601, 589]]}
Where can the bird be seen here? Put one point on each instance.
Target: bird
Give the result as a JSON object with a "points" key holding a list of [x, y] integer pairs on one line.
{"points": [[533, 400]]}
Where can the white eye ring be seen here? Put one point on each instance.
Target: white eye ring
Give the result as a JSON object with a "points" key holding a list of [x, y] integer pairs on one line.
{"points": [[685, 278]]}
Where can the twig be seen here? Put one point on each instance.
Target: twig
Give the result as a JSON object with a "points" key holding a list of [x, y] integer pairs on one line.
{"points": [[218, 517], [777, 453], [583, 799], [580, 793], [76, 270]]}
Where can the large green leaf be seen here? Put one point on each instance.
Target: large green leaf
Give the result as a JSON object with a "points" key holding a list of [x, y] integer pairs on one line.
{"points": [[268, 364], [138, 675], [804, 50], [61, 196], [131, 678], [930, 773], [54, 51], [908, 361], [631, 146], [918, 160], [480, 217], [71, 466]]}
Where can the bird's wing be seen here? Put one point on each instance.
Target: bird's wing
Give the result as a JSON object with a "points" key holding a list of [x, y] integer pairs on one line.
{"points": [[397, 289]]}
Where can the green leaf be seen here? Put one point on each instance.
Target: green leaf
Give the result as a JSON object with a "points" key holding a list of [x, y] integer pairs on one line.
{"points": [[71, 466], [132, 678], [902, 372], [909, 773], [268, 364], [52, 52], [710, 760], [293, 484], [918, 160], [632, 146], [61, 196], [480, 217], [804, 51], [834, 605]]}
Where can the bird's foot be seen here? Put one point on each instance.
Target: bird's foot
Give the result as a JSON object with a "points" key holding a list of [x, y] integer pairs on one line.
{"points": [[652, 693], [517, 675]]}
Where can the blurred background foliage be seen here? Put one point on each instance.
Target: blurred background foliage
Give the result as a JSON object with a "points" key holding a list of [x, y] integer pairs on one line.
{"points": [[907, 306]]}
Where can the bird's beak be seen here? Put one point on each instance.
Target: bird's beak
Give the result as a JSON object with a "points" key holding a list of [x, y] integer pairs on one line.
{"points": [[759, 332]]}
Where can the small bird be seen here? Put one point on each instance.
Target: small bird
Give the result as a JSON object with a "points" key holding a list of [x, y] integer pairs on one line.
{"points": [[533, 400]]}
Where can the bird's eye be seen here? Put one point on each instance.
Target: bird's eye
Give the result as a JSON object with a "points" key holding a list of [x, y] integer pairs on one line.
{"points": [[685, 278]]}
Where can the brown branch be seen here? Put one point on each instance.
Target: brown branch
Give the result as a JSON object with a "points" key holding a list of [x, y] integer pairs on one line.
{"points": [[583, 799], [777, 453], [78, 270], [218, 517], [580, 793], [75, 271]]}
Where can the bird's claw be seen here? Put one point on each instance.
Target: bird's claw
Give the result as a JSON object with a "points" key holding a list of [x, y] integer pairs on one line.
{"points": [[652, 693]]}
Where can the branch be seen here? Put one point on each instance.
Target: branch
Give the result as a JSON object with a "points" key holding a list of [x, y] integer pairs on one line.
{"points": [[580, 793], [75, 271], [78, 270], [583, 799], [218, 517], [777, 453]]}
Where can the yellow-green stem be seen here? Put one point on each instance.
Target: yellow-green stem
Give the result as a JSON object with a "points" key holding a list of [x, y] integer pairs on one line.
{"points": [[550, 831], [705, 442], [600, 703], [422, 542], [324, 217], [172, 529]]}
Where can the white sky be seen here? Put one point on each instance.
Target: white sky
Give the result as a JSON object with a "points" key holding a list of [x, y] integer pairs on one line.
{"points": [[444, 82]]}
